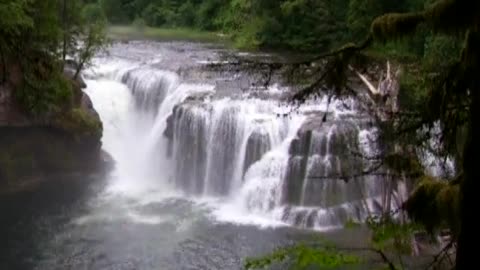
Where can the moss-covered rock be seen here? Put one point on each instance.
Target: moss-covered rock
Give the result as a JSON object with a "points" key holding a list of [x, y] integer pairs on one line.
{"points": [[79, 123], [435, 204], [395, 25], [47, 133]]}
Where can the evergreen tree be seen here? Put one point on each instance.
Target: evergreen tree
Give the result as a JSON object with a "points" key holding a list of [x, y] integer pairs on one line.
{"points": [[360, 15], [36, 37], [309, 25], [452, 99], [115, 11]]}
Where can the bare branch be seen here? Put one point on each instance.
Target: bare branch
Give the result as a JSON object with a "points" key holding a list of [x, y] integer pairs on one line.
{"points": [[440, 257]]}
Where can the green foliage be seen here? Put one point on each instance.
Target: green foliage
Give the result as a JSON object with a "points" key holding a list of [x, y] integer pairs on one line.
{"points": [[435, 205], [93, 13], [412, 89], [47, 25], [351, 224], [15, 19], [307, 14], [249, 37], [395, 25], [443, 15], [45, 90], [302, 25], [206, 13], [154, 15], [36, 36], [294, 24], [421, 71], [187, 14], [93, 40], [304, 256], [115, 11], [360, 15], [441, 50], [389, 235]]}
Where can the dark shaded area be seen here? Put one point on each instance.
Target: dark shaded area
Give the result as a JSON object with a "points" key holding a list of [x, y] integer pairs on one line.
{"points": [[30, 218], [32, 153]]}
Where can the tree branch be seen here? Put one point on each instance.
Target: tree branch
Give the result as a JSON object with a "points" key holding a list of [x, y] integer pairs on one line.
{"points": [[4, 65], [437, 259]]}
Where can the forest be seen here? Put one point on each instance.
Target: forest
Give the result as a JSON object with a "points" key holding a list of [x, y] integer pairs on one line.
{"points": [[39, 38], [299, 25], [435, 43]]}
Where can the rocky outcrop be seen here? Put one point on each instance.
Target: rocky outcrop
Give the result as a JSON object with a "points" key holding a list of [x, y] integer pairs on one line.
{"points": [[322, 154], [258, 144], [34, 147]]}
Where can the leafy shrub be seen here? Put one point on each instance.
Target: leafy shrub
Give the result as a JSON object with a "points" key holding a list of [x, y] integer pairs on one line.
{"points": [[45, 90], [303, 256], [94, 13]]}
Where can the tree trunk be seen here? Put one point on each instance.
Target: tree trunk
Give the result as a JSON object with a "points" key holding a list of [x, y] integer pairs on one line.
{"points": [[467, 255], [65, 29], [3, 56], [78, 70]]}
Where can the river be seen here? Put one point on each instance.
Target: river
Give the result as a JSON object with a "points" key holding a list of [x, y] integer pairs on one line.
{"points": [[209, 170]]}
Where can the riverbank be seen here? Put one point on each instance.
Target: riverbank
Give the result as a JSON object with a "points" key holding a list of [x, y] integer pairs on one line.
{"points": [[122, 33], [393, 52]]}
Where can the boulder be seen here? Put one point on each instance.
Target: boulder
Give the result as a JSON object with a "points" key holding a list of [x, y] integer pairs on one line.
{"points": [[322, 156], [34, 147]]}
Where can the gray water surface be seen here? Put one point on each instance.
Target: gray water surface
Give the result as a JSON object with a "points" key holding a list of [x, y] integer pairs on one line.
{"points": [[72, 224], [76, 222]]}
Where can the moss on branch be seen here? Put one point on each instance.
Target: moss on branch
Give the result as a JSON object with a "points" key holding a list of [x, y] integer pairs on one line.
{"points": [[435, 204], [395, 25]]}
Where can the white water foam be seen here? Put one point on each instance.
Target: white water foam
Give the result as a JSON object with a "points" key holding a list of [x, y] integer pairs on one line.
{"points": [[135, 101], [130, 134]]}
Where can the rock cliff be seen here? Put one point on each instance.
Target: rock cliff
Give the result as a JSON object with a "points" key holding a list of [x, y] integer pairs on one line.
{"points": [[32, 147]]}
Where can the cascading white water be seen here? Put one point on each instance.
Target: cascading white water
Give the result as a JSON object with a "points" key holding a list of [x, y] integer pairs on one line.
{"points": [[220, 139], [265, 160], [217, 138], [435, 165], [133, 103]]}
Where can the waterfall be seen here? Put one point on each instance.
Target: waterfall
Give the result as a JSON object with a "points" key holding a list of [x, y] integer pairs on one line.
{"points": [[434, 163], [262, 158], [134, 104], [220, 139]]}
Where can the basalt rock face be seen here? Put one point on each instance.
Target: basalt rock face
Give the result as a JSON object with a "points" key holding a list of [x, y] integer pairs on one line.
{"points": [[34, 147], [258, 144], [31, 152], [322, 159], [190, 152]]}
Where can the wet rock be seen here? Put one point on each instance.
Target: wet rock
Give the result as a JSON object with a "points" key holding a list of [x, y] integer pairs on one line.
{"points": [[257, 145], [294, 180], [30, 152], [187, 128], [322, 156], [34, 147], [87, 105]]}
